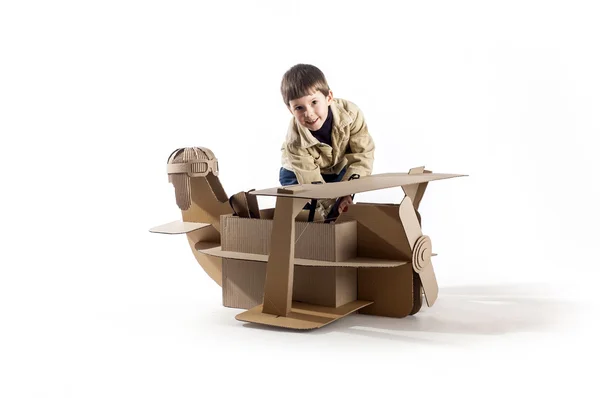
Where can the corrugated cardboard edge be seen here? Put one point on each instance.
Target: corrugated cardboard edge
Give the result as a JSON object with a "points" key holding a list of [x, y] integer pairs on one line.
{"points": [[302, 316], [243, 283], [280, 265], [357, 262], [343, 188], [178, 227], [253, 207], [211, 265], [315, 241]]}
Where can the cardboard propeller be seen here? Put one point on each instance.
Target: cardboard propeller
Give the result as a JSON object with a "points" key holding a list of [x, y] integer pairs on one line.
{"points": [[420, 246]]}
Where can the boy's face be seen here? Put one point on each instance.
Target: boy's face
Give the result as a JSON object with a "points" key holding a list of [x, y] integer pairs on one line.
{"points": [[311, 111]]}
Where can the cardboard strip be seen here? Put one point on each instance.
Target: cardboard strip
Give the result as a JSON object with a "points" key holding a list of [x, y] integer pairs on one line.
{"points": [[178, 227], [410, 222], [302, 316], [429, 282], [213, 249], [289, 189], [252, 202], [420, 192], [239, 205], [280, 266], [416, 191]]}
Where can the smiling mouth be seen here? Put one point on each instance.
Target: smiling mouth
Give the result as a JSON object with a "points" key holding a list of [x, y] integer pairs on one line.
{"points": [[313, 122]]}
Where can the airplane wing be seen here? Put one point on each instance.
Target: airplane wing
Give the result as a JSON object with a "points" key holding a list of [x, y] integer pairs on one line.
{"points": [[178, 227], [343, 188]]}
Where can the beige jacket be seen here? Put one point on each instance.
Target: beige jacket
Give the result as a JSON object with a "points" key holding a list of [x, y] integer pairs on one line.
{"points": [[352, 146]]}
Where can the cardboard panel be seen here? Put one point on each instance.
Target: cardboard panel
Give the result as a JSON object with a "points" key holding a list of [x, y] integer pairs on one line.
{"points": [[245, 235], [207, 206], [243, 283], [315, 241], [379, 231], [346, 287], [417, 294], [315, 285], [329, 287], [267, 213], [302, 316], [371, 245], [345, 240], [390, 289]]}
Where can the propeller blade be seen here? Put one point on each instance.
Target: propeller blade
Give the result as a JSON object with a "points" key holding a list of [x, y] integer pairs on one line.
{"points": [[410, 222], [429, 283], [421, 250]]}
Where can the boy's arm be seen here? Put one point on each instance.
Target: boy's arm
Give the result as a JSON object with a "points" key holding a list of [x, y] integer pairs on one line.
{"points": [[360, 161], [308, 172]]}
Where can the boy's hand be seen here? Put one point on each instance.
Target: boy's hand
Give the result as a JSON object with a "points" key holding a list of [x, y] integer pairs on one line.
{"points": [[344, 203]]}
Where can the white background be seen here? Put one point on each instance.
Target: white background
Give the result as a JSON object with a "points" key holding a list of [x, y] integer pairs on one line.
{"points": [[94, 96]]}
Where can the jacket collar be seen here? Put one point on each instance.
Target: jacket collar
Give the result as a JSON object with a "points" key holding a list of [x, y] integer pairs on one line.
{"points": [[303, 136]]}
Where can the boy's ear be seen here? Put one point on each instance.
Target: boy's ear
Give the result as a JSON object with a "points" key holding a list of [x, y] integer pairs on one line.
{"points": [[329, 97]]}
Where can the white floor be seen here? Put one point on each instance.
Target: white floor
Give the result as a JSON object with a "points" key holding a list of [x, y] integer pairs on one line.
{"points": [[158, 329], [94, 96]]}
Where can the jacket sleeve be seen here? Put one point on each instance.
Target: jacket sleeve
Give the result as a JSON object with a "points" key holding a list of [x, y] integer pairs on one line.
{"points": [[303, 164], [362, 147]]}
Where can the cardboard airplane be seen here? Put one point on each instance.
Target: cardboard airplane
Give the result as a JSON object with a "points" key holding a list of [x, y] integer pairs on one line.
{"points": [[289, 269]]}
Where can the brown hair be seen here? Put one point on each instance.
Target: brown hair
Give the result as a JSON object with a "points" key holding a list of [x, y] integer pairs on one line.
{"points": [[301, 80]]}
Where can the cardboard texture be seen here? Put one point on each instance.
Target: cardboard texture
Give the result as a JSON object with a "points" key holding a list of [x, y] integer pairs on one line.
{"points": [[244, 283], [343, 188], [245, 205], [291, 273], [326, 286], [178, 227], [380, 234], [213, 249], [316, 241], [302, 316]]}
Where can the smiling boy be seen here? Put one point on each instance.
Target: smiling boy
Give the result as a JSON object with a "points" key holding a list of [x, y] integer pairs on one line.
{"points": [[327, 139]]}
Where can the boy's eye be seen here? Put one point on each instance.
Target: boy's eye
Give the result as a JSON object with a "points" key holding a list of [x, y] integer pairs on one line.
{"points": [[315, 102], [298, 108]]}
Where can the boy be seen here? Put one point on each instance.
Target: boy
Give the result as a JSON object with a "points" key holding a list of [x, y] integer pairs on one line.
{"points": [[327, 139]]}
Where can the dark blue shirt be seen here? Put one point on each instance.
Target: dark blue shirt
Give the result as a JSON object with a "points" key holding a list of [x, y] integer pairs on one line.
{"points": [[324, 133]]}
